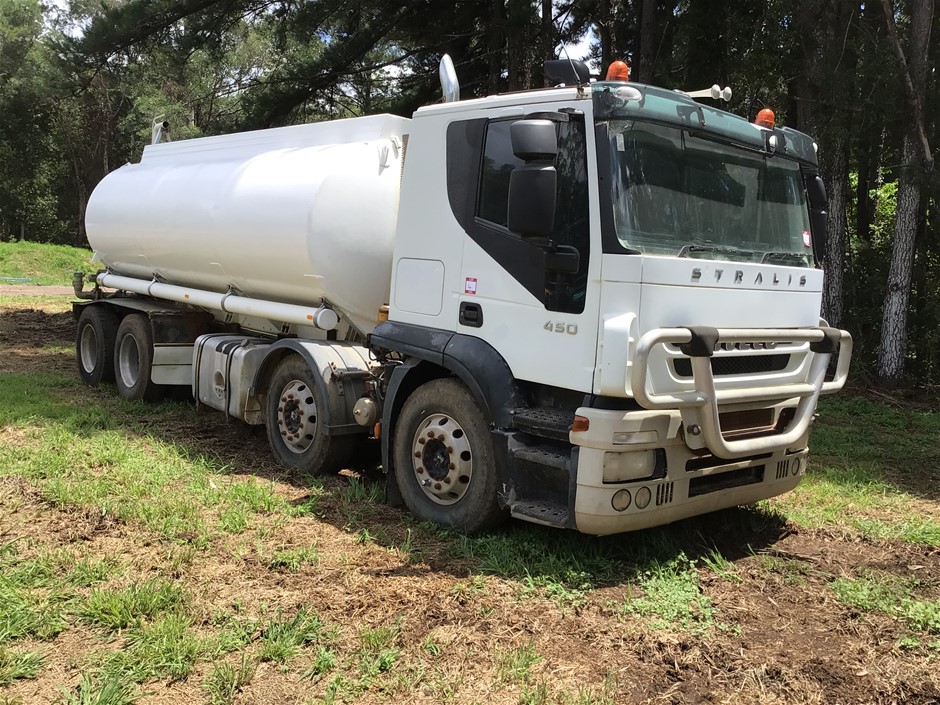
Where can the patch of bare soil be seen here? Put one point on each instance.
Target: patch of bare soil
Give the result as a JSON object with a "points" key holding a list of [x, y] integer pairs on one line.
{"points": [[780, 634]]}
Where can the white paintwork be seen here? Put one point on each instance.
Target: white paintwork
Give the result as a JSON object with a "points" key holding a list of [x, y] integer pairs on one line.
{"points": [[420, 286], [290, 215], [513, 319], [663, 294]]}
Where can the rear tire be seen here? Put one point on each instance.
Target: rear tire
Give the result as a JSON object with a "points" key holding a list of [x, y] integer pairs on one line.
{"points": [[94, 344], [444, 458], [133, 360], [296, 416]]}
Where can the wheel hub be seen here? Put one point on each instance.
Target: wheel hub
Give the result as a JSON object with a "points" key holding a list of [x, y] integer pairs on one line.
{"points": [[442, 459], [297, 416], [88, 349]]}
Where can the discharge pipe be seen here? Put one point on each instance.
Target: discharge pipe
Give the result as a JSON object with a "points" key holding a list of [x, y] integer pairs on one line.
{"points": [[323, 317]]}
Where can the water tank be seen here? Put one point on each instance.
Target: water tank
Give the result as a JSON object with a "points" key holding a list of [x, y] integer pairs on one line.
{"points": [[292, 214]]}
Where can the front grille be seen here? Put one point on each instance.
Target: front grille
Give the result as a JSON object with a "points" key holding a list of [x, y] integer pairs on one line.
{"points": [[663, 494], [706, 461], [735, 365], [726, 480]]}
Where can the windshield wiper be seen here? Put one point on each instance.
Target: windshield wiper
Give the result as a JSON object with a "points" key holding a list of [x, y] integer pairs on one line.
{"points": [[718, 249], [783, 258]]}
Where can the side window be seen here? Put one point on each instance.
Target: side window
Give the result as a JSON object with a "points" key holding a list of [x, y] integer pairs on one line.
{"points": [[498, 164], [562, 292]]}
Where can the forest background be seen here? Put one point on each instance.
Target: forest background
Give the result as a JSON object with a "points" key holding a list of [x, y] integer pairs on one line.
{"points": [[81, 81]]}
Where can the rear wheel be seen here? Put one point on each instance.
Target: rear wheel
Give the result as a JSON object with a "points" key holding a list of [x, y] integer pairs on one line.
{"points": [[133, 360], [444, 458], [94, 344], [296, 421]]}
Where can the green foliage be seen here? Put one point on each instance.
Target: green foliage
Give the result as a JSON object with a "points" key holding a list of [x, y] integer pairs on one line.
{"points": [[673, 597], [515, 665], [125, 607], [105, 689], [17, 665], [225, 680], [282, 638], [890, 595], [43, 264]]}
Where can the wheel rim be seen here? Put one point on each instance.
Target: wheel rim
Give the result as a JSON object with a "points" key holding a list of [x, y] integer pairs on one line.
{"points": [[129, 361], [297, 416], [88, 349], [443, 463]]}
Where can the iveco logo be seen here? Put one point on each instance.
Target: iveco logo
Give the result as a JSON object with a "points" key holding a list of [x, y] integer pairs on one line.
{"points": [[768, 345], [737, 277]]}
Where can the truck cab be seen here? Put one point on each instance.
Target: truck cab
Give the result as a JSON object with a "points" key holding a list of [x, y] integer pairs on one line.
{"points": [[656, 352]]}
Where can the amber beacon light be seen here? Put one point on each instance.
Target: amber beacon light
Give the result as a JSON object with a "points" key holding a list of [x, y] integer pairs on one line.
{"points": [[618, 71], [765, 118]]}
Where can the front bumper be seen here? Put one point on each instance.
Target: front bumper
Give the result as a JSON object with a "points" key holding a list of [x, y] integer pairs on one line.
{"points": [[698, 465]]}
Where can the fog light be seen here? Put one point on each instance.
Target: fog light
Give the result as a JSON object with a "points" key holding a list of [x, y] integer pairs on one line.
{"points": [[620, 500], [643, 497], [622, 467]]}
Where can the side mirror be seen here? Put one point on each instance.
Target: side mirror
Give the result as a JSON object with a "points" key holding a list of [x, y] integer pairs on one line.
{"points": [[534, 140], [533, 187], [818, 215]]}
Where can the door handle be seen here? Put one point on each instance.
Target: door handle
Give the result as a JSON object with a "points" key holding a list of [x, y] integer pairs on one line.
{"points": [[470, 314]]}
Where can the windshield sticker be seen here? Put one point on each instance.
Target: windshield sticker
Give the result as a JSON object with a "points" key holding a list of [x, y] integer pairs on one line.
{"points": [[807, 239]]}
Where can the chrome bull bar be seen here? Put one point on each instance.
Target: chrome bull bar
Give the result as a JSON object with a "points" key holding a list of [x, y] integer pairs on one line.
{"points": [[699, 342]]}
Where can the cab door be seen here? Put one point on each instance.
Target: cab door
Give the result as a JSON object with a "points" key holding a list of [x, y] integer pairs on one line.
{"points": [[541, 320]]}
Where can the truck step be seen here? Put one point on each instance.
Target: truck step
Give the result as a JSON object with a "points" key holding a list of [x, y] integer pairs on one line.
{"points": [[541, 513], [545, 422], [545, 456]]}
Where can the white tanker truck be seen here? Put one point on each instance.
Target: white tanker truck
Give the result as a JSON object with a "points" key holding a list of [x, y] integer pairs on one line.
{"points": [[594, 306]]}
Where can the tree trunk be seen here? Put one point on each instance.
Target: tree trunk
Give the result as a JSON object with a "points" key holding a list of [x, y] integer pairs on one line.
{"points": [[836, 171], [604, 34], [915, 156], [548, 37], [644, 70]]}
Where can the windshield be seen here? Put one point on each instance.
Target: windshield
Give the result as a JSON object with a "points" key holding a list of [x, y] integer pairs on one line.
{"points": [[678, 194]]}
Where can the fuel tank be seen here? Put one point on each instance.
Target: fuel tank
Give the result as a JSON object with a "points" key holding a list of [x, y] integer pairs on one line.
{"points": [[293, 214]]}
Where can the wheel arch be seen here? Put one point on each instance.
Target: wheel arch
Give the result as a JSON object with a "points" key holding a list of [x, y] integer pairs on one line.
{"points": [[431, 354]]}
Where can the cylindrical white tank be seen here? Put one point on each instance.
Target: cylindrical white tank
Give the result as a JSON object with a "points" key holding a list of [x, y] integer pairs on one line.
{"points": [[293, 214]]}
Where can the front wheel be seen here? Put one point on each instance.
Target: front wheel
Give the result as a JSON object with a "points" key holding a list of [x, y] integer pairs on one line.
{"points": [[296, 420], [444, 458]]}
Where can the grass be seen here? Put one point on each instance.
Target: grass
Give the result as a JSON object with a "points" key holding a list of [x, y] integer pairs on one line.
{"points": [[673, 597], [102, 689], [156, 616], [226, 680], [282, 638], [293, 559], [125, 607], [872, 467], [41, 263], [515, 665], [889, 595], [17, 665]]}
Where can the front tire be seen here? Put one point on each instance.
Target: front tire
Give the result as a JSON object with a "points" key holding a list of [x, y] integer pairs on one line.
{"points": [[296, 415], [444, 458], [94, 344], [133, 360]]}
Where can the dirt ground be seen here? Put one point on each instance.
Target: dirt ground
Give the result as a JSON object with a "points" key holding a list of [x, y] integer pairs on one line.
{"points": [[785, 638]]}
